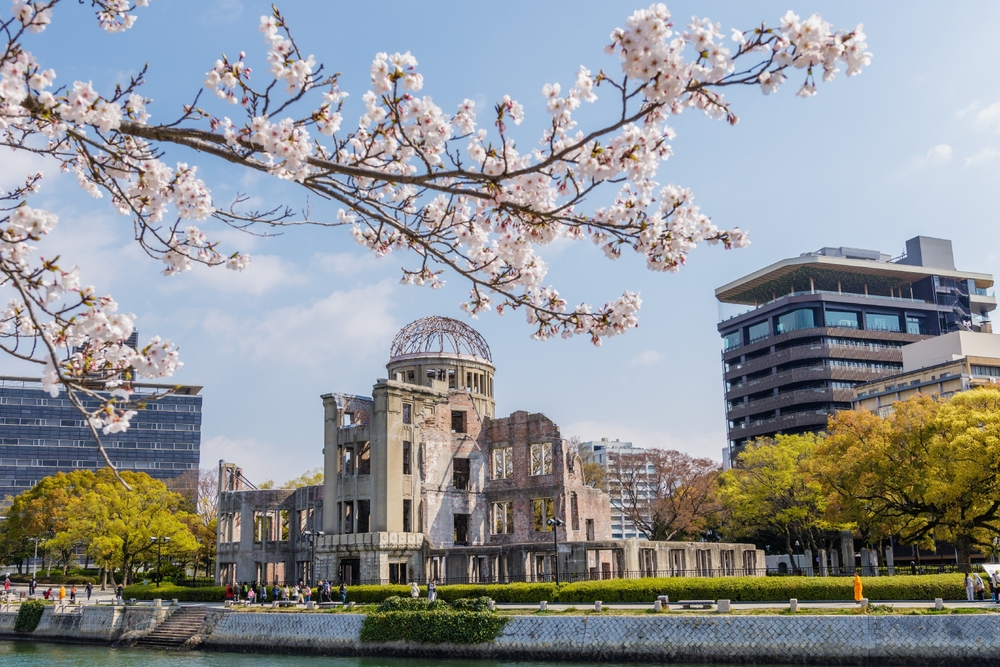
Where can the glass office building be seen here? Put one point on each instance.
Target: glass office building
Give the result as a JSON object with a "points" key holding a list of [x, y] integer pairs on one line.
{"points": [[41, 435], [817, 325]]}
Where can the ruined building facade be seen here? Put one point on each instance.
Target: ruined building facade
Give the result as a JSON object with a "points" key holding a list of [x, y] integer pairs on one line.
{"points": [[422, 481]]}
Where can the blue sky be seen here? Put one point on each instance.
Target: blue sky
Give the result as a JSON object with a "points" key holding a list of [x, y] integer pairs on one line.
{"points": [[912, 146]]}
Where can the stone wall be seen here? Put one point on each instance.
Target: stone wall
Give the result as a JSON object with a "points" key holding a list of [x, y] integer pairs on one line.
{"points": [[87, 624]]}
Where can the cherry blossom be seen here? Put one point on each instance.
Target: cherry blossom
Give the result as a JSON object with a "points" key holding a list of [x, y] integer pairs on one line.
{"points": [[455, 191]]}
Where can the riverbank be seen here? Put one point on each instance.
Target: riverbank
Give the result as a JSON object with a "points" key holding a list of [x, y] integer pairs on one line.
{"points": [[721, 638]]}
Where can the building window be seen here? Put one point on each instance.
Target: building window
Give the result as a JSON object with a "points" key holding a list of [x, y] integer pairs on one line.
{"points": [[462, 529], [543, 509], [574, 511], [397, 573], [590, 530], [349, 516], [842, 319], [364, 515], [503, 518], [460, 474], [348, 466], [407, 413], [988, 371], [749, 562], [704, 562], [458, 421], [916, 325], [407, 519], [731, 341], [503, 462], [406, 457], [797, 319], [541, 458], [759, 331], [365, 459], [881, 322], [677, 562]]}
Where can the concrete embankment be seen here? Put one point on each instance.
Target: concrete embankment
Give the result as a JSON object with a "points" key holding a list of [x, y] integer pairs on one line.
{"points": [[967, 639]]}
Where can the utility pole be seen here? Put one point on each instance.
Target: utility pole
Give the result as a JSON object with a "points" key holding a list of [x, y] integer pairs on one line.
{"points": [[555, 523]]}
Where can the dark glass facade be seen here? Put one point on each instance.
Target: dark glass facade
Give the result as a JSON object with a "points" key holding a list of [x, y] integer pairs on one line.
{"points": [[41, 435], [793, 360]]}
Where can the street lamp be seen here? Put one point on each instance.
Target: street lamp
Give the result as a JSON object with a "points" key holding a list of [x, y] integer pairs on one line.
{"points": [[311, 536], [159, 541], [555, 523], [34, 562]]}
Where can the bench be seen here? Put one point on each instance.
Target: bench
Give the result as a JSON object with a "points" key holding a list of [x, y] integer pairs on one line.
{"points": [[283, 603], [688, 604]]}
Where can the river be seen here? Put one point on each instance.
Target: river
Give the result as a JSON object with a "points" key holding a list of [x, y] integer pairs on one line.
{"points": [[29, 654]]}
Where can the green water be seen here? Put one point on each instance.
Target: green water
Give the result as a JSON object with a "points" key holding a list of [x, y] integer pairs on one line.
{"points": [[28, 654]]}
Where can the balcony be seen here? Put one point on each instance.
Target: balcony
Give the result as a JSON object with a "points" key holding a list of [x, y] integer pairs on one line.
{"points": [[836, 332], [814, 351], [811, 419], [881, 297], [790, 398], [808, 374]]}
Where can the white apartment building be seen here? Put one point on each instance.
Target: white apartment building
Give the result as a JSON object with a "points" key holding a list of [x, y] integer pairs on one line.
{"points": [[605, 451]]}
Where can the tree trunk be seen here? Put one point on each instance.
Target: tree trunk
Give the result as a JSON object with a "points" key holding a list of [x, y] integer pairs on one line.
{"points": [[963, 551]]}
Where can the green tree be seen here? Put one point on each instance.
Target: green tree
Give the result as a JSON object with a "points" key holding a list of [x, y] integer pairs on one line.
{"points": [[312, 477], [928, 471], [771, 492]]}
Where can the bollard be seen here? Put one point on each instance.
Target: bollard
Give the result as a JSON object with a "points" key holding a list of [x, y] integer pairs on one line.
{"points": [[793, 605], [657, 606], [157, 602], [543, 605], [310, 604], [493, 605], [174, 602], [724, 607], [597, 605], [350, 605], [938, 604], [228, 603], [863, 602], [274, 604]]}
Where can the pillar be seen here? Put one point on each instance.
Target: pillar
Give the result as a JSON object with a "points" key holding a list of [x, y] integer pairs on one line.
{"points": [[835, 562], [822, 563], [809, 564], [889, 563], [847, 551]]}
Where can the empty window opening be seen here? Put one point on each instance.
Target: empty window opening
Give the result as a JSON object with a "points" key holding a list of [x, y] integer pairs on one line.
{"points": [[406, 457], [541, 458], [365, 459], [590, 530], [407, 519], [348, 466], [349, 516], [503, 518], [348, 418], [468, 381], [451, 380], [543, 509], [503, 462], [407, 413], [462, 529], [411, 377], [364, 515], [574, 511], [397, 573], [460, 476], [458, 421]]}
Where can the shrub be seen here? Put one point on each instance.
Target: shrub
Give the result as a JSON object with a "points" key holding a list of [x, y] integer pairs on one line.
{"points": [[472, 604], [28, 616], [170, 592], [433, 627], [54, 580], [397, 603]]}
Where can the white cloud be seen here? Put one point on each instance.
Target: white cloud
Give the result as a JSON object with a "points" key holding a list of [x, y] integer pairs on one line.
{"points": [[937, 156], [984, 117], [16, 165], [344, 325], [647, 358], [987, 154], [265, 273], [259, 459], [344, 263]]}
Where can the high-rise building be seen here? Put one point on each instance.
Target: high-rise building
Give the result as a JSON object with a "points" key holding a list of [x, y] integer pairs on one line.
{"points": [[611, 453], [822, 323], [41, 435]]}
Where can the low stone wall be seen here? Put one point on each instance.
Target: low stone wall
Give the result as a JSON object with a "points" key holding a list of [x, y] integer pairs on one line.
{"points": [[970, 639], [853, 640]]}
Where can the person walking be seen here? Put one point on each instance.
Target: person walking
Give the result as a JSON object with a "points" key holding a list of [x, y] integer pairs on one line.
{"points": [[62, 595], [858, 586], [90, 589], [432, 590], [414, 590], [32, 585], [969, 587], [978, 587], [343, 593], [119, 592], [995, 585], [72, 594]]}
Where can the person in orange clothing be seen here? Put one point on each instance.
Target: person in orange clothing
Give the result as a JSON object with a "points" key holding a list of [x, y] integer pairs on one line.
{"points": [[62, 594], [857, 587]]}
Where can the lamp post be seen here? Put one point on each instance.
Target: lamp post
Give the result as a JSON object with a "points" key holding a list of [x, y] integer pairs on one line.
{"points": [[555, 523], [34, 561], [159, 541], [311, 536]]}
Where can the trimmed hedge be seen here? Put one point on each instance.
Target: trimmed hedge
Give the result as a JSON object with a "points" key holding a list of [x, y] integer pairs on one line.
{"points": [[171, 592], [433, 626], [28, 616], [737, 589], [55, 579]]}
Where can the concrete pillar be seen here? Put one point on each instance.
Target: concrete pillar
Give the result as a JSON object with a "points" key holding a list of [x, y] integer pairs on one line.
{"points": [[889, 562], [847, 551], [823, 571], [808, 565], [873, 562], [835, 561]]}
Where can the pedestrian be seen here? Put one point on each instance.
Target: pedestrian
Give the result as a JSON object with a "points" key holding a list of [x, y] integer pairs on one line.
{"points": [[62, 594], [263, 593], [299, 594], [276, 592], [90, 589], [343, 593], [119, 592], [72, 594], [6, 584], [250, 597], [32, 585], [978, 587], [414, 590], [995, 581], [858, 593], [48, 593], [308, 591], [969, 587]]}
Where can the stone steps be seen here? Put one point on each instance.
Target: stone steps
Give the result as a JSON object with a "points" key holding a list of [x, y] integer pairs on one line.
{"points": [[177, 629]]}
